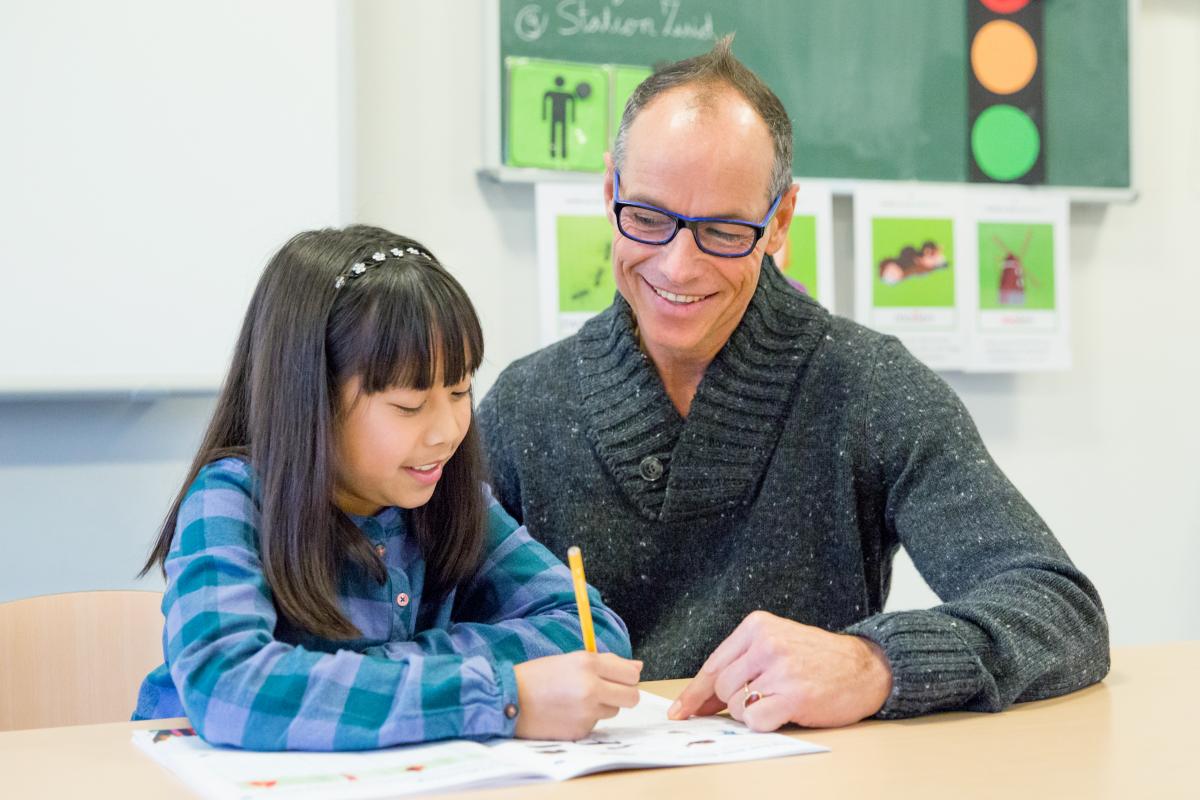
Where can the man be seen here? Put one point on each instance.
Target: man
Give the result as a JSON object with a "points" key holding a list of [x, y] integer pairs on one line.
{"points": [[740, 466]]}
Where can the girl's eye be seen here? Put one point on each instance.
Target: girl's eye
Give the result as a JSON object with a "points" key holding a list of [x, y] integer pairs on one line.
{"points": [[405, 409], [458, 395]]}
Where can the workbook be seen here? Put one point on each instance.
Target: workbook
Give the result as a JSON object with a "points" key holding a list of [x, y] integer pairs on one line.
{"points": [[636, 738]]}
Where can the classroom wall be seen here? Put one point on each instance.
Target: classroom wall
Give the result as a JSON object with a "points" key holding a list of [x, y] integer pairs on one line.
{"points": [[1104, 451]]}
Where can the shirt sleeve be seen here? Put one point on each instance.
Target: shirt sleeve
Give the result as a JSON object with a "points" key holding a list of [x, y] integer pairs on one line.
{"points": [[1018, 620], [520, 605], [242, 687]]}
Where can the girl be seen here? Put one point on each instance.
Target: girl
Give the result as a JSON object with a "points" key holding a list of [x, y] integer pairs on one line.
{"points": [[338, 577]]}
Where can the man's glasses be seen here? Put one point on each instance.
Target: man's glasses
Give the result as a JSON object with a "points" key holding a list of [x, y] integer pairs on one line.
{"points": [[727, 238]]}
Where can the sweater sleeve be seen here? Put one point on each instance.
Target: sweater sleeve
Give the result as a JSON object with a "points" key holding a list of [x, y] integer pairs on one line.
{"points": [[241, 686], [1018, 620], [520, 605]]}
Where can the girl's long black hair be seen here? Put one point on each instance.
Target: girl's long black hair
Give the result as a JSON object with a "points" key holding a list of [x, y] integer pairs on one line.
{"points": [[301, 340]]}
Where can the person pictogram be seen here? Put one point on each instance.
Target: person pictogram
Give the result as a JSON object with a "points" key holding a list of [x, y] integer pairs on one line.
{"points": [[560, 103]]}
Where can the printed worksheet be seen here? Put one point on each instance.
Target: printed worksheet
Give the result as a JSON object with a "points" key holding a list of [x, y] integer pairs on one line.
{"points": [[644, 737], [640, 737]]}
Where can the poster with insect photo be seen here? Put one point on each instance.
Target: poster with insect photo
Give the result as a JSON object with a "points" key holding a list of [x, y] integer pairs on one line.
{"points": [[1020, 303], [574, 246], [912, 273]]}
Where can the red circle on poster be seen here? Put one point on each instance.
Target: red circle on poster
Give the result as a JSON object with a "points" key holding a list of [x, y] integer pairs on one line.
{"points": [[1005, 6]]}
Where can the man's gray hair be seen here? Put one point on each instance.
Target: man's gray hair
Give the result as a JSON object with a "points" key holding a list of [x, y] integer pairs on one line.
{"points": [[710, 70]]}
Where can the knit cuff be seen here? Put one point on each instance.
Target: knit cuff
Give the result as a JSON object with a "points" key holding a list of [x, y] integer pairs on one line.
{"points": [[933, 669]]}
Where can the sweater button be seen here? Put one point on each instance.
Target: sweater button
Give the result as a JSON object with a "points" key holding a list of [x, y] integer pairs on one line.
{"points": [[510, 711], [402, 599], [651, 468]]}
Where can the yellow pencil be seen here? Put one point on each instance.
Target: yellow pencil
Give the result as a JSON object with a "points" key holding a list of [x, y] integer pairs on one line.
{"points": [[575, 559]]}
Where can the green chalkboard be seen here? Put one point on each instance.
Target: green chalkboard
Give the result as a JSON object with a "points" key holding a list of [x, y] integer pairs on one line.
{"points": [[877, 89]]}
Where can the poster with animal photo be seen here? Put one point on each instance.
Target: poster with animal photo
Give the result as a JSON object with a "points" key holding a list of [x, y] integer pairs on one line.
{"points": [[911, 271], [806, 257], [1020, 305], [574, 243]]}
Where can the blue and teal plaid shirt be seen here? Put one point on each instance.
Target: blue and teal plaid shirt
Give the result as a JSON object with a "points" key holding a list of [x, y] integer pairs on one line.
{"points": [[422, 671]]}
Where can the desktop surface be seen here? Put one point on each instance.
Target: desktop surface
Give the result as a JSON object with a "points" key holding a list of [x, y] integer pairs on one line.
{"points": [[1132, 735]]}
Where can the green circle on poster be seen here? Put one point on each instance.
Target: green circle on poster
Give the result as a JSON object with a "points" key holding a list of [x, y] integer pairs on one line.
{"points": [[1005, 142]]}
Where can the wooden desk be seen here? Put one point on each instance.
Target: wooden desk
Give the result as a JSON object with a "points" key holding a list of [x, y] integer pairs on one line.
{"points": [[1134, 735]]}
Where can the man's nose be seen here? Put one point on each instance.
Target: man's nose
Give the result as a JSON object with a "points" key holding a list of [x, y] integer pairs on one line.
{"points": [[682, 259]]}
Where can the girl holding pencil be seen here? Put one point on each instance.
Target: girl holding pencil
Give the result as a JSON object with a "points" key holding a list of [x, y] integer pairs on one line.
{"points": [[338, 575]]}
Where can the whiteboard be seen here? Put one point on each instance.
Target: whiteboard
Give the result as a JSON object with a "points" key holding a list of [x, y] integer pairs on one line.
{"points": [[153, 155]]}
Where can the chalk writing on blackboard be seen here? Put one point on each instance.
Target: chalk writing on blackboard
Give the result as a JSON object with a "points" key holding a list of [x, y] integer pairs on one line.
{"points": [[583, 18]]}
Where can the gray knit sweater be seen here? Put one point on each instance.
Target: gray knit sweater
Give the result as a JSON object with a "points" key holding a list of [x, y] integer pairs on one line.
{"points": [[813, 449]]}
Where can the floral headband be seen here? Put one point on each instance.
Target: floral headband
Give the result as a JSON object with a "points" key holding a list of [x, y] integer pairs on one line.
{"points": [[377, 258]]}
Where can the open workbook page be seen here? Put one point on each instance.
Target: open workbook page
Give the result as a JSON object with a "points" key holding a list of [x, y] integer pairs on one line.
{"points": [[636, 738]]}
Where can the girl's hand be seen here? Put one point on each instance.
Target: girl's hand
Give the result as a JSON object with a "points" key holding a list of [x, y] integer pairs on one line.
{"points": [[562, 697]]}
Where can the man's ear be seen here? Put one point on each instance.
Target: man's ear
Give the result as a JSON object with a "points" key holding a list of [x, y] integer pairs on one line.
{"points": [[777, 234]]}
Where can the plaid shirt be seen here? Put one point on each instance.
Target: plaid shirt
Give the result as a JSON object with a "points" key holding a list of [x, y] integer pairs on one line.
{"points": [[422, 671]]}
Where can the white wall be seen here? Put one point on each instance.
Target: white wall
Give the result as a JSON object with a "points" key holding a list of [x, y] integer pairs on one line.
{"points": [[153, 155], [1105, 451]]}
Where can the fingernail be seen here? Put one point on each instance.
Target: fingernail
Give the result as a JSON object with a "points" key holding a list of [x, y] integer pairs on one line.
{"points": [[674, 709]]}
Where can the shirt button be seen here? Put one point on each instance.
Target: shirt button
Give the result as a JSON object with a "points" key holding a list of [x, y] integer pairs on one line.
{"points": [[381, 550], [651, 468], [402, 599], [510, 711]]}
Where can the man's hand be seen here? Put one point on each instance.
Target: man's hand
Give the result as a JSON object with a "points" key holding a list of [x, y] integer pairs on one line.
{"points": [[803, 674]]}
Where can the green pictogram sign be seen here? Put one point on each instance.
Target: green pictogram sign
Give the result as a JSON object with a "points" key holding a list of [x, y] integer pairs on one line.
{"points": [[557, 114]]}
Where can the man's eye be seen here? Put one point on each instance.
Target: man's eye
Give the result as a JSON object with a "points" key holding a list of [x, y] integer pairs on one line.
{"points": [[649, 220], [724, 233]]}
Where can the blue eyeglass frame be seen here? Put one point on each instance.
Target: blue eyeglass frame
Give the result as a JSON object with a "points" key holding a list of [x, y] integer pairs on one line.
{"points": [[691, 223]]}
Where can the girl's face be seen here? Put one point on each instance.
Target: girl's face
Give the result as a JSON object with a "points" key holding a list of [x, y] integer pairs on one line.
{"points": [[392, 445]]}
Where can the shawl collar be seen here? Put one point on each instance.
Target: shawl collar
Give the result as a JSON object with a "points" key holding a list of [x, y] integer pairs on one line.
{"points": [[713, 460]]}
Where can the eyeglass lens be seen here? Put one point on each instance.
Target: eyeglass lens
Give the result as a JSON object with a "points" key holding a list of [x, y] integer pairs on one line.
{"points": [[654, 227]]}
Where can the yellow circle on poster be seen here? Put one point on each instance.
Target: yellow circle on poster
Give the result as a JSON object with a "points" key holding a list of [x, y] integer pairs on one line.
{"points": [[1003, 56]]}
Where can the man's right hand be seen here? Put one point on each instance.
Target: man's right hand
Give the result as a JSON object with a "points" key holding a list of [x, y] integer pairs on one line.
{"points": [[562, 697], [803, 674]]}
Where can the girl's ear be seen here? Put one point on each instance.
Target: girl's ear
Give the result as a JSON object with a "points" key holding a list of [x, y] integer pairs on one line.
{"points": [[346, 397]]}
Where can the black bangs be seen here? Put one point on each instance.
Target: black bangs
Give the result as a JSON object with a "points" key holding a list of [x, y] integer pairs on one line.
{"points": [[399, 323]]}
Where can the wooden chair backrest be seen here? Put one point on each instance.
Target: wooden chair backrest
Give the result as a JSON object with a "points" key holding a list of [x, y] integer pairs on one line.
{"points": [[76, 658]]}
